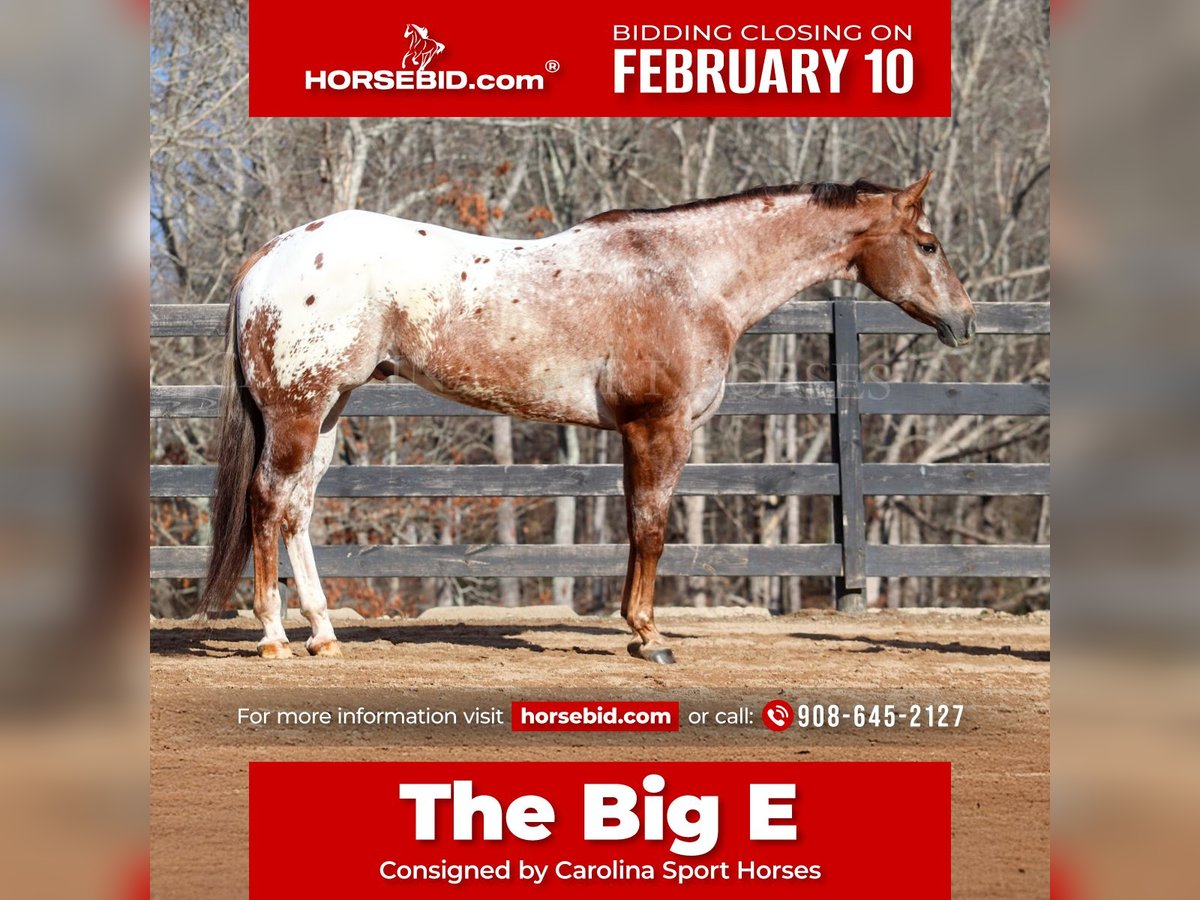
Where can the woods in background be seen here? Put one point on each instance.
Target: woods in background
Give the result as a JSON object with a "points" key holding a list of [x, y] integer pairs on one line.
{"points": [[222, 184]]}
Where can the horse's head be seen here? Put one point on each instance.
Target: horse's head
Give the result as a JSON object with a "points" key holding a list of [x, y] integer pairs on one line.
{"points": [[417, 30], [900, 259]]}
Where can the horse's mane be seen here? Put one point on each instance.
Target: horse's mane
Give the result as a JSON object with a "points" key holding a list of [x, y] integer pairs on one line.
{"points": [[844, 196], [826, 194]]}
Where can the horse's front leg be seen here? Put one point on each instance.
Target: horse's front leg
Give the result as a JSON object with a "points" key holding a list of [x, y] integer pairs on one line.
{"points": [[655, 451]]}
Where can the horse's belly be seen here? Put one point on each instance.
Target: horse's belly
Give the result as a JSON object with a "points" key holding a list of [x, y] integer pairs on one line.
{"points": [[535, 392], [507, 360]]}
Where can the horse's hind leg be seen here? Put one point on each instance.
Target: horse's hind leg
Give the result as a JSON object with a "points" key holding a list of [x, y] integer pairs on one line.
{"points": [[289, 443], [323, 642], [655, 451]]}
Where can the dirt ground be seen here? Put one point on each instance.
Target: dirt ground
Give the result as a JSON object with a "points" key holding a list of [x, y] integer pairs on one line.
{"points": [[997, 665]]}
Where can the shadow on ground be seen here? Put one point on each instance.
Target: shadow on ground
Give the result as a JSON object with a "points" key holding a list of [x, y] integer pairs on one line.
{"points": [[193, 640], [878, 644]]}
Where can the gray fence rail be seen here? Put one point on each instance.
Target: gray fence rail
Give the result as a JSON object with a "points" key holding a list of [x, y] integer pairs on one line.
{"points": [[846, 398]]}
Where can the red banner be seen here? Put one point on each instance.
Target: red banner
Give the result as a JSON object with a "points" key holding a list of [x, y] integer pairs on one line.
{"points": [[595, 715], [523, 829], [379, 58]]}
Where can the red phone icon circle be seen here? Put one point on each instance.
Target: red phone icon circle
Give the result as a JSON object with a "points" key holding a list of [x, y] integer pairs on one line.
{"points": [[777, 715]]}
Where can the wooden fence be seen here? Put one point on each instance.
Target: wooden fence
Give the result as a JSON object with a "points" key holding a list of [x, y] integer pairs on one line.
{"points": [[849, 559]]}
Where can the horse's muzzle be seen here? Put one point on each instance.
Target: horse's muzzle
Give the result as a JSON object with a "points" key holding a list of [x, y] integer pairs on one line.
{"points": [[957, 334]]}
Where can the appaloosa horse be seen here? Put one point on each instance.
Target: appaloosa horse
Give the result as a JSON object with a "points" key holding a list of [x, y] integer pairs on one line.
{"points": [[625, 321]]}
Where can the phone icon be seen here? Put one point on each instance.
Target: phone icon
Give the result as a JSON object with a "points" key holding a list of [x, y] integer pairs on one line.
{"points": [[777, 715]]}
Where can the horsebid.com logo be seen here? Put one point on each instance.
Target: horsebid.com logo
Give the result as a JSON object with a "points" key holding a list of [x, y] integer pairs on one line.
{"points": [[421, 47], [414, 74]]}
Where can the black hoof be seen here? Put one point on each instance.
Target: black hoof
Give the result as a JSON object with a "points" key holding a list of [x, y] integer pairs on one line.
{"points": [[662, 655]]}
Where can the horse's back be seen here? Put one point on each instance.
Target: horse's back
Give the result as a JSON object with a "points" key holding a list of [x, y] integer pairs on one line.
{"points": [[522, 327]]}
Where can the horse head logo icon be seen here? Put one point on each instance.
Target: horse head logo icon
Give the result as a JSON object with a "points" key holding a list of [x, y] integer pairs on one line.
{"points": [[421, 47]]}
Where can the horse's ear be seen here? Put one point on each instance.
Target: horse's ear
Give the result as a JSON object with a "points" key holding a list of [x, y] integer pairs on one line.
{"points": [[908, 197]]}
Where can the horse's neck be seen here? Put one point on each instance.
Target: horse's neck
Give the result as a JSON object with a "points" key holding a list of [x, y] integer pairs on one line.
{"points": [[761, 257]]}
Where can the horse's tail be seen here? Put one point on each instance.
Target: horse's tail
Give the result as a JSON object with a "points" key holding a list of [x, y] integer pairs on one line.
{"points": [[239, 442]]}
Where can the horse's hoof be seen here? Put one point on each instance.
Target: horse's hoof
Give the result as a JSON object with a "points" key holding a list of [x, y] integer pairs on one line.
{"points": [[275, 650], [662, 655], [324, 648]]}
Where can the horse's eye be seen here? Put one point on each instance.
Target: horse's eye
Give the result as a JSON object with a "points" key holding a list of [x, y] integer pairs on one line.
{"points": [[928, 248]]}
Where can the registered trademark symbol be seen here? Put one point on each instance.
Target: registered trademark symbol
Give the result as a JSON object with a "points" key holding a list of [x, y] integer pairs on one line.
{"points": [[552, 65]]}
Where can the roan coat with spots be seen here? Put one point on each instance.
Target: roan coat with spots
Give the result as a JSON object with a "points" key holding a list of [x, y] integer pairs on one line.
{"points": [[625, 322]]}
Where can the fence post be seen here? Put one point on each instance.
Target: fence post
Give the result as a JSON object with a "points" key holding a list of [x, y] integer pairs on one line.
{"points": [[849, 520]]}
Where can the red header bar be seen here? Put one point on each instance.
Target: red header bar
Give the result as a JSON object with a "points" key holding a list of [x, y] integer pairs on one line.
{"points": [[594, 715], [587, 829], [622, 58]]}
